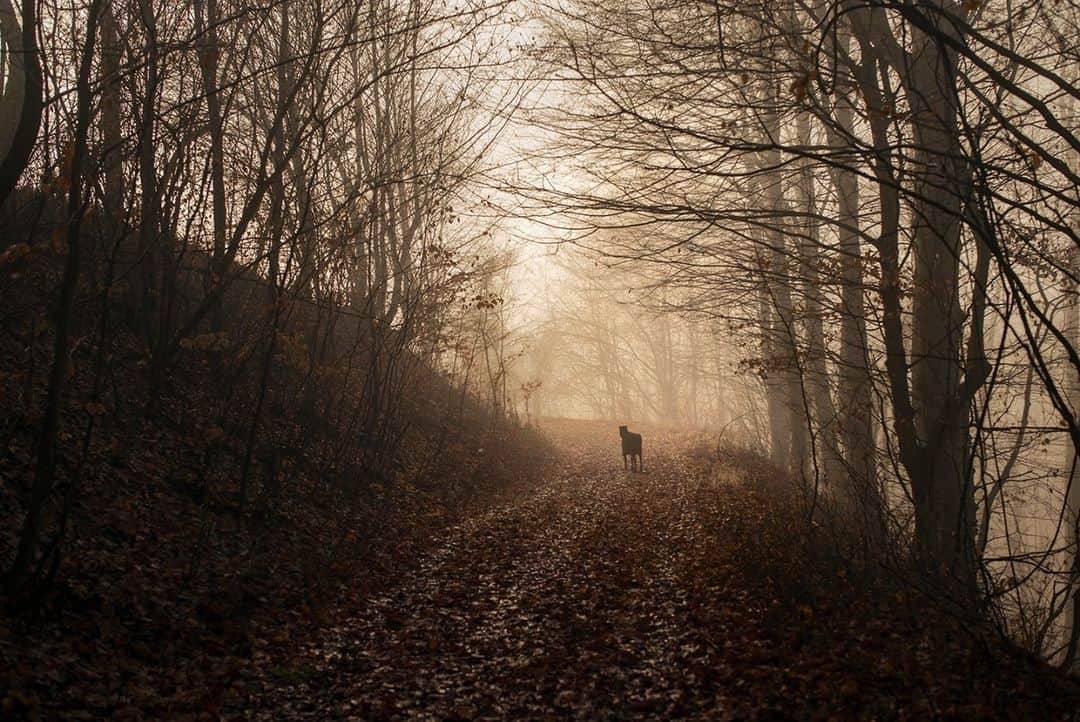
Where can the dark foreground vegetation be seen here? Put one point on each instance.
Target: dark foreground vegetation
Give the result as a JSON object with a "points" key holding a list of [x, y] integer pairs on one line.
{"points": [[189, 534]]}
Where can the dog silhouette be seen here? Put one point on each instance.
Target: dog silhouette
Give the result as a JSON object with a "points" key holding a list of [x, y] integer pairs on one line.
{"points": [[631, 450]]}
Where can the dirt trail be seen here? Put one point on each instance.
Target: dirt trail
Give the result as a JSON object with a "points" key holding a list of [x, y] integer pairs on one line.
{"points": [[608, 595]]}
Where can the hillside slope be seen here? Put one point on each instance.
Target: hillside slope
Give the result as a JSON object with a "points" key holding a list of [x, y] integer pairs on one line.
{"points": [[180, 536]]}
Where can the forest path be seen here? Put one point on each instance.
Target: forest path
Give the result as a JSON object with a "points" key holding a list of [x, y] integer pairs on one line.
{"points": [[611, 595]]}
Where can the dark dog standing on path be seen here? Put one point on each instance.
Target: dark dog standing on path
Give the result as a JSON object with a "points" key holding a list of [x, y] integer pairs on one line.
{"points": [[631, 446]]}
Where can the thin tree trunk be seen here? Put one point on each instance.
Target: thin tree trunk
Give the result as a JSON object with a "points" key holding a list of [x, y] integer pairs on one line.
{"points": [[1071, 331], [150, 305], [817, 374], [856, 421], [21, 572], [779, 419], [111, 128], [789, 409], [206, 14]]}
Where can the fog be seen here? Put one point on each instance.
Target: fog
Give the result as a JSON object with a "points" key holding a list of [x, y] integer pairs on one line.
{"points": [[346, 251]]}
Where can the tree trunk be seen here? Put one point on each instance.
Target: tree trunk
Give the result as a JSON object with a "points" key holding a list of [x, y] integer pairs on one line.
{"points": [[22, 90], [149, 289], [777, 410], [816, 368], [206, 14], [111, 128], [931, 417], [856, 420], [788, 406], [20, 576], [941, 191], [1071, 331]]}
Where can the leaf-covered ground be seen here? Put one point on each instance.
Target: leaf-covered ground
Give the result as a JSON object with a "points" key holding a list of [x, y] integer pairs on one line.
{"points": [[171, 587], [672, 594]]}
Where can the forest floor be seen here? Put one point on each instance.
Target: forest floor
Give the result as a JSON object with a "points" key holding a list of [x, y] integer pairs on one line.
{"points": [[564, 589], [678, 593]]}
